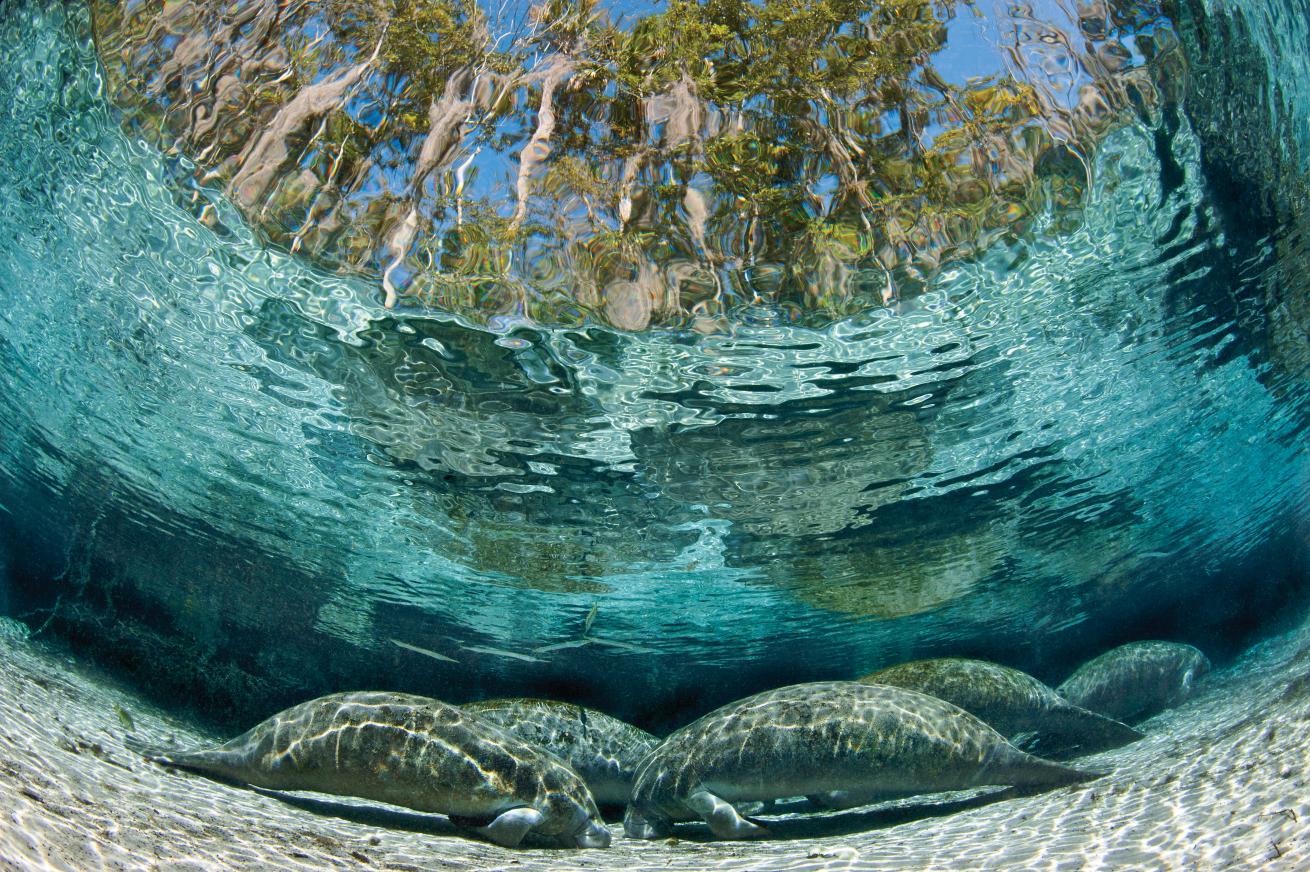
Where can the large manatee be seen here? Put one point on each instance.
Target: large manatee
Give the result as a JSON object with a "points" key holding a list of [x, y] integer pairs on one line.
{"points": [[602, 749], [1137, 680], [1009, 701], [414, 752], [842, 739]]}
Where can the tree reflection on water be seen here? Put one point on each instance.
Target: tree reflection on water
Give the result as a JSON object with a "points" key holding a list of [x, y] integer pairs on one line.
{"points": [[556, 163]]}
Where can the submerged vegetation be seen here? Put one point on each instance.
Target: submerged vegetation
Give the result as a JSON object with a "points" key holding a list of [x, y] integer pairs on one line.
{"points": [[563, 165]]}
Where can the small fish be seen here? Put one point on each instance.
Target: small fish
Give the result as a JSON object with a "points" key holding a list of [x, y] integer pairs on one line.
{"points": [[424, 651], [591, 618], [627, 646], [125, 718], [497, 652], [560, 646]]}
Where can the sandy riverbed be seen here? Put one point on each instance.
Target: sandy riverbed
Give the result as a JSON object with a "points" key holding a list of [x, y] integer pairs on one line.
{"points": [[1220, 783]]}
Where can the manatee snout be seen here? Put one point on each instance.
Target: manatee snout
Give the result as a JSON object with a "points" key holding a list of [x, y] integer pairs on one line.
{"points": [[637, 826], [593, 835]]}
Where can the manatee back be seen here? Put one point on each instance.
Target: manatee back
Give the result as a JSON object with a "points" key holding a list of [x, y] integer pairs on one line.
{"points": [[406, 750], [602, 749], [1006, 699], [273, 753], [818, 738]]}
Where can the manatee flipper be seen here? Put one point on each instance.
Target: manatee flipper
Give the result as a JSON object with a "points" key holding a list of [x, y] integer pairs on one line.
{"points": [[723, 819], [510, 827]]}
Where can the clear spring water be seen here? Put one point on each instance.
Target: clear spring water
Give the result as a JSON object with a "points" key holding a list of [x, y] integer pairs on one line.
{"points": [[241, 479]]}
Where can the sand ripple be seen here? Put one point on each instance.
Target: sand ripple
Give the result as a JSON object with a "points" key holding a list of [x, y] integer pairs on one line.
{"points": [[1220, 783]]}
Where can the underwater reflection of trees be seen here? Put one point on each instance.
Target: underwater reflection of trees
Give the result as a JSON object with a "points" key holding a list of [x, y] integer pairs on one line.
{"points": [[564, 166]]}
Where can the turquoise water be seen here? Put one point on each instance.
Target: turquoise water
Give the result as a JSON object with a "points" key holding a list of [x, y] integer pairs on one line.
{"points": [[237, 476]]}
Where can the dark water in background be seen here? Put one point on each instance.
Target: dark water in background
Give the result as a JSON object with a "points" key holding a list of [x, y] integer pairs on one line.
{"points": [[239, 478]]}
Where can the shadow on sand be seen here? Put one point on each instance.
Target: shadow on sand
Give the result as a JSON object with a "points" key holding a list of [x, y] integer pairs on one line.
{"points": [[792, 824]]}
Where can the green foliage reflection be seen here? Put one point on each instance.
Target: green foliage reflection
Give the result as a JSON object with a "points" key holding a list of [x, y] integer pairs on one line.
{"points": [[805, 155]]}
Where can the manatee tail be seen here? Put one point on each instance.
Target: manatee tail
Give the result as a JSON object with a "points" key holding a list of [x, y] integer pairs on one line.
{"points": [[152, 753], [217, 763], [1089, 732], [1019, 769]]}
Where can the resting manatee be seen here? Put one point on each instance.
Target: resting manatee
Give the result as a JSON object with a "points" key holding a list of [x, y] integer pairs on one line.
{"points": [[1009, 701], [602, 749], [1137, 680], [858, 741], [414, 752]]}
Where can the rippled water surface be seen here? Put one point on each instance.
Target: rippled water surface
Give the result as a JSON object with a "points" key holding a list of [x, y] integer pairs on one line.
{"points": [[228, 463]]}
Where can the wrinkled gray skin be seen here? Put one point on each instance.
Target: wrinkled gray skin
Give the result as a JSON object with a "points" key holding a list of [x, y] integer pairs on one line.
{"points": [[1009, 701], [1137, 680], [605, 751], [414, 752], [839, 739]]}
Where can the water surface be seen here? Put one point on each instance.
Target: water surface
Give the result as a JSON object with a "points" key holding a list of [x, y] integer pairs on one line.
{"points": [[231, 470]]}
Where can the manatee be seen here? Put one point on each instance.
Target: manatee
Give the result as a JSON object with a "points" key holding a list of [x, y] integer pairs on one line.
{"points": [[1137, 680], [602, 749], [843, 739], [414, 752], [1009, 701]]}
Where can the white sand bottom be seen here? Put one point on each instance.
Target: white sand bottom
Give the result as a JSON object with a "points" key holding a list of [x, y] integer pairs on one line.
{"points": [[1220, 783]]}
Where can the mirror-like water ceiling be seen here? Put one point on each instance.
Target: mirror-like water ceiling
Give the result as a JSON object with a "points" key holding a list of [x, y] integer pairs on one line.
{"points": [[647, 356]]}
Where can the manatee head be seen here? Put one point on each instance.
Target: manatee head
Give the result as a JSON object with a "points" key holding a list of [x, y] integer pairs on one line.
{"points": [[591, 833], [638, 826], [1197, 667], [571, 813]]}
